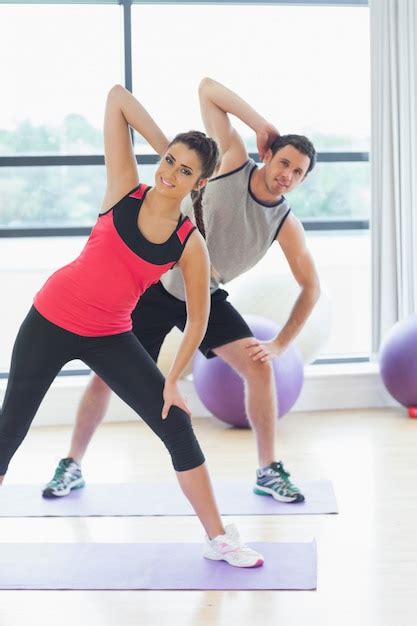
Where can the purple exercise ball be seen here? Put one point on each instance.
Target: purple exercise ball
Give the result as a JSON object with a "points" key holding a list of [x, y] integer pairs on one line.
{"points": [[221, 389], [398, 361]]}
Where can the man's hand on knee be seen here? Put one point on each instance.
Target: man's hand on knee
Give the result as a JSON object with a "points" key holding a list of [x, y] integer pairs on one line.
{"points": [[263, 351]]}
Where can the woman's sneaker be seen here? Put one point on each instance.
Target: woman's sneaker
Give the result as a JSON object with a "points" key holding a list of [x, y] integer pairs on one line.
{"points": [[274, 481], [229, 548], [66, 478]]}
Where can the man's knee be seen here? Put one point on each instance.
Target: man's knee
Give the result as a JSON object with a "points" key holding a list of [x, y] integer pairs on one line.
{"points": [[257, 371], [97, 386], [250, 370]]}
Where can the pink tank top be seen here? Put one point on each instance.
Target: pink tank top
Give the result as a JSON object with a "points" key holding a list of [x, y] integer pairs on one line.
{"points": [[96, 293]]}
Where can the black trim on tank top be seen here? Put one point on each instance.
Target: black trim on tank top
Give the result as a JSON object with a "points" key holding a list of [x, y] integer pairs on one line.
{"points": [[252, 195], [281, 224], [125, 219], [189, 235], [229, 173], [185, 241]]}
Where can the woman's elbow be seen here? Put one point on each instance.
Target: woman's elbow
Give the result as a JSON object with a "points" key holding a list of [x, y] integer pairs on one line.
{"points": [[115, 91], [198, 322]]}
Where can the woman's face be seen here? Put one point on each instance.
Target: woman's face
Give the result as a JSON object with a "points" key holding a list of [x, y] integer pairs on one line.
{"points": [[178, 172]]}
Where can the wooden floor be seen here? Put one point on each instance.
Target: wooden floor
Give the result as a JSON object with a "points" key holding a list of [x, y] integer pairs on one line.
{"points": [[367, 568]]}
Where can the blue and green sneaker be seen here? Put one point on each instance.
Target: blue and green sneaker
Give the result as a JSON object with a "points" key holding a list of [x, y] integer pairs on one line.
{"points": [[274, 481], [66, 478]]}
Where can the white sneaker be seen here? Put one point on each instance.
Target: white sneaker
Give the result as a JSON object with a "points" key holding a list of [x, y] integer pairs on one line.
{"points": [[228, 547]]}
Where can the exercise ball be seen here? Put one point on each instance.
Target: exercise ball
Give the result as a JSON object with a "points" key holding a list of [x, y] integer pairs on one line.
{"points": [[273, 296], [221, 389], [398, 362]]}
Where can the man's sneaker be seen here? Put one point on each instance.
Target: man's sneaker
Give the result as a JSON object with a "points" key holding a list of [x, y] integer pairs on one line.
{"points": [[274, 481], [229, 548], [67, 477]]}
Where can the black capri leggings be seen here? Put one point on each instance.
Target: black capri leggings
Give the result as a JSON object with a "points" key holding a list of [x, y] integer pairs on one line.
{"points": [[40, 351]]}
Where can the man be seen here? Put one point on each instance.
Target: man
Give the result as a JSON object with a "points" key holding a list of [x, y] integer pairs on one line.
{"points": [[245, 211]]}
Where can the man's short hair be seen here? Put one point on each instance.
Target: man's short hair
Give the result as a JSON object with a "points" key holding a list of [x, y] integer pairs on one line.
{"points": [[300, 143]]}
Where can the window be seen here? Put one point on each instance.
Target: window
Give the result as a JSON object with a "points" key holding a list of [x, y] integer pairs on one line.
{"points": [[306, 70], [57, 81]]}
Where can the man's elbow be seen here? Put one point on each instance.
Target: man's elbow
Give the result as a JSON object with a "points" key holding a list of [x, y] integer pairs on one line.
{"points": [[312, 290], [205, 85], [316, 290]]}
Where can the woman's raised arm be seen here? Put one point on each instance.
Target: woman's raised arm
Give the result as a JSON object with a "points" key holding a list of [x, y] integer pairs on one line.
{"points": [[124, 110]]}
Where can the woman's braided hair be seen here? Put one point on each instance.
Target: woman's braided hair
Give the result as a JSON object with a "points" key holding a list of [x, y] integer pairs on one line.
{"points": [[208, 152]]}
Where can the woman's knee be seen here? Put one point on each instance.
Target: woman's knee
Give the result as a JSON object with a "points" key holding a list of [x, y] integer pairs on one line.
{"points": [[181, 442]]}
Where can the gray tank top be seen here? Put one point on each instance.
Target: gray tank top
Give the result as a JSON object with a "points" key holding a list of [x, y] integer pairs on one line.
{"points": [[239, 228]]}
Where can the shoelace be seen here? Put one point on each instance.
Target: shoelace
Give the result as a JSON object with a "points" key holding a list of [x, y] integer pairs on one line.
{"points": [[282, 480], [234, 543], [279, 469], [235, 546]]}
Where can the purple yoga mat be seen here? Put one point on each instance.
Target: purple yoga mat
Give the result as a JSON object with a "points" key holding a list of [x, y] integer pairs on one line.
{"points": [[151, 566], [134, 499]]}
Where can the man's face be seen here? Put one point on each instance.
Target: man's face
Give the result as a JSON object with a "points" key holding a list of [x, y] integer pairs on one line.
{"points": [[286, 169]]}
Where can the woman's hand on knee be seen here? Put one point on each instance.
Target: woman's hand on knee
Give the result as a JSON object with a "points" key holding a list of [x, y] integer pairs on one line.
{"points": [[173, 397]]}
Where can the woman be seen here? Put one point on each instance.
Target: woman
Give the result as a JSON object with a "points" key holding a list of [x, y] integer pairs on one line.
{"points": [[83, 310]]}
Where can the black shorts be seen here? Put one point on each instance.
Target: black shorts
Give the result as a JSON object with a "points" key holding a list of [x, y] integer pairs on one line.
{"points": [[157, 312]]}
